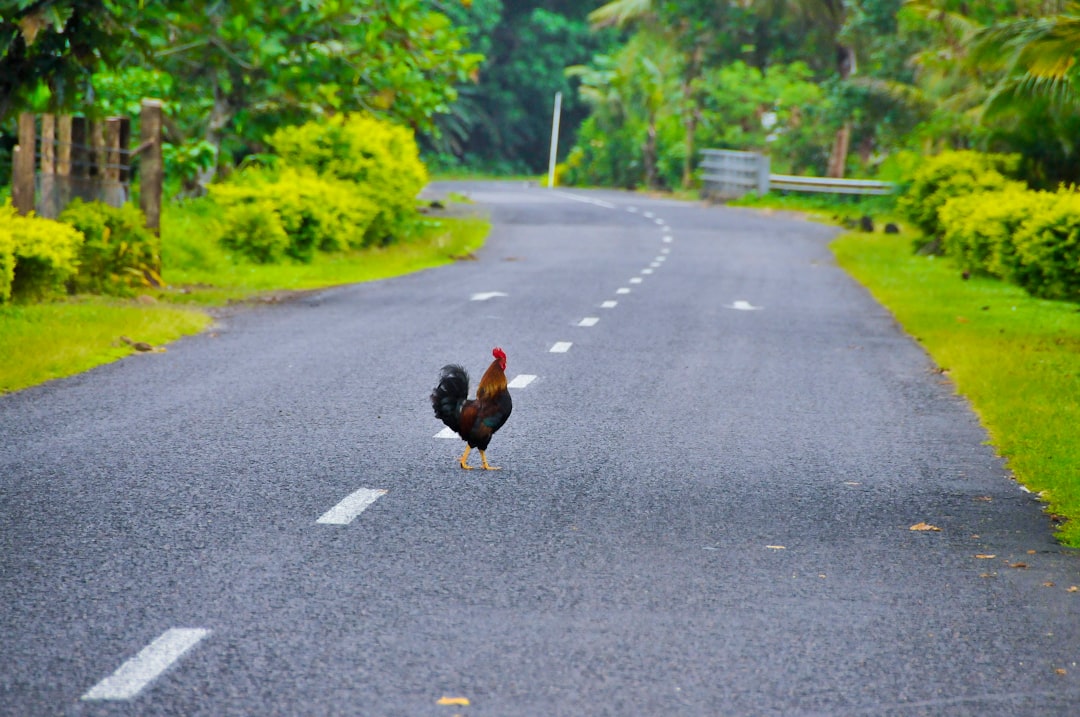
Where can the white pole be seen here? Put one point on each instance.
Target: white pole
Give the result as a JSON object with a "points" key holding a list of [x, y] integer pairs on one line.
{"points": [[554, 138]]}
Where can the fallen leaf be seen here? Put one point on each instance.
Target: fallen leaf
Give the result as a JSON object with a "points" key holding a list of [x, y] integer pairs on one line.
{"points": [[925, 527], [987, 575], [984, 498], [1048, 584], [1017, 565], [1031, 552], [1061, 671], [985, 556], [454, 701], [776, 547], [1073, 589]]}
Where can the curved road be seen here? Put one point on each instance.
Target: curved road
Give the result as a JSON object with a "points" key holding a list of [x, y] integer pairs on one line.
{"points": [[719, 444]]}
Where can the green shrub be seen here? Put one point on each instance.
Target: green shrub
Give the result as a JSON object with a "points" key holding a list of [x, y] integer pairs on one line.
{"points": [[7, 262], [119, 253], [46, 253], [316, 213], [254, 229], [1048, 249], [953, 174], [978, 230], [381, 158]]}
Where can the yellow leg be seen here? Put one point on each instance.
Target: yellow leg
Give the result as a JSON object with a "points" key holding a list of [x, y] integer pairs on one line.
{"points": [[487, 467], [465, 458]]}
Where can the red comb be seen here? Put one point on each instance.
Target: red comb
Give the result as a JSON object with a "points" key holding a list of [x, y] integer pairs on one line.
{"points": [[498, 353]]}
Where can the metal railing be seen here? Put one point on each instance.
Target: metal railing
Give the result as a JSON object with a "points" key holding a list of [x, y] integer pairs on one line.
{"points": [[729, 174]]}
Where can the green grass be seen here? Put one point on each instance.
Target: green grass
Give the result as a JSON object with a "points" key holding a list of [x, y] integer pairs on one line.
{"points": [[1015, 358], [41, 342], [198, 270]]}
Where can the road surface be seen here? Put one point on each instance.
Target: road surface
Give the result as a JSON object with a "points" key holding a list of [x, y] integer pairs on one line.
{"points": [[719, 445]]}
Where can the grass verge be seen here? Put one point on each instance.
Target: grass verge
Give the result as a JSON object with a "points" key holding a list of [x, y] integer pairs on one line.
{"points": [[1015, 358], [41, 342]]}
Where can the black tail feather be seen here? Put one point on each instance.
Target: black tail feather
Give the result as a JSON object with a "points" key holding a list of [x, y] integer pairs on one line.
{"points": [[450, 395]]}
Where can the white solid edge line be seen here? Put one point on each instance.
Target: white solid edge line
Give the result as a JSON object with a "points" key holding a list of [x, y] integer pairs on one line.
{"points": [[520, 381], [561, 347], [353, 505], [134, 675], [589, 321], [587, 200]]}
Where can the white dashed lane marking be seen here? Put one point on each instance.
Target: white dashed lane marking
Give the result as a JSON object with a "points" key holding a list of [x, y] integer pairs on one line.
{"points": [[609, 304], [636, 280], [561, 347], [354, 504], [646, 271], [622, 290], [134, 675], [741, 305], [521, 381], [589, 321], [485, 295]]}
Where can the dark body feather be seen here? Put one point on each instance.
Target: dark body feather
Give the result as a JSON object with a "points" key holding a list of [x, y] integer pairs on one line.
{"points": [[475, 420]]}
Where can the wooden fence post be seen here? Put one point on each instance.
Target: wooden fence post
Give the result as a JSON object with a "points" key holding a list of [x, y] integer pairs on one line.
{"points": [[22, 178], [152, 167], [63, 160]]}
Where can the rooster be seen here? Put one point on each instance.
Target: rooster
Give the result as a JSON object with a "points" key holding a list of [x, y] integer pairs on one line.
{"points": [[475, 420]]}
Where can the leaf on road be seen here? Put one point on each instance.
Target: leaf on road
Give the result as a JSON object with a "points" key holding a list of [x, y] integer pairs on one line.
{"points": [[454, 701], [985, 556], [925, 527], [776, 547], [1061, 671], [984, 498], [1048, 584], [1017, 565], [1073, 589]]}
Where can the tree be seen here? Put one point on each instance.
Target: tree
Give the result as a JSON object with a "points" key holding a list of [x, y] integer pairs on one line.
{"points": [[50, 49], [243, 68]]}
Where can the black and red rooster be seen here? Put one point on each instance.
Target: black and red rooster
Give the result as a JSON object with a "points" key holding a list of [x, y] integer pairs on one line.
{"points": [[477, 419]]}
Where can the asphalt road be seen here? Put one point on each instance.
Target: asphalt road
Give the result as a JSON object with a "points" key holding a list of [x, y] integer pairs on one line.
{"points": [[704, 507]]}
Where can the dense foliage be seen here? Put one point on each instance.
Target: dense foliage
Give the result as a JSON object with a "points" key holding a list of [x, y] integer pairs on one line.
{"points": [[44, 255], [118, 254], [381, 159]]}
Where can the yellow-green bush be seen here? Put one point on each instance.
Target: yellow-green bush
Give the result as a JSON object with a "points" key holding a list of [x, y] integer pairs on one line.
{"points": [[254, 229], [1048, 249], [953, 174], [46, 253], [381, 158], [978, 229], [118, 254], [7, 262], [315, 213]]}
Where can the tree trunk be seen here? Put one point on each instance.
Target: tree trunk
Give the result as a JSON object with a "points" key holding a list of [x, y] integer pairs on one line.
{"points": [[838, 156], [649, 155], [845, 62], [221, 116]]}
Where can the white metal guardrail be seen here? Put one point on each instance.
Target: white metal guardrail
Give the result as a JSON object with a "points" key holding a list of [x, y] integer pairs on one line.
{"points": [[728, 174]]}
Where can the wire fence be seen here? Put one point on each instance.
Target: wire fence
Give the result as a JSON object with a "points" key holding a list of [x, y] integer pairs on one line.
{"points": [[60, 158]]}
